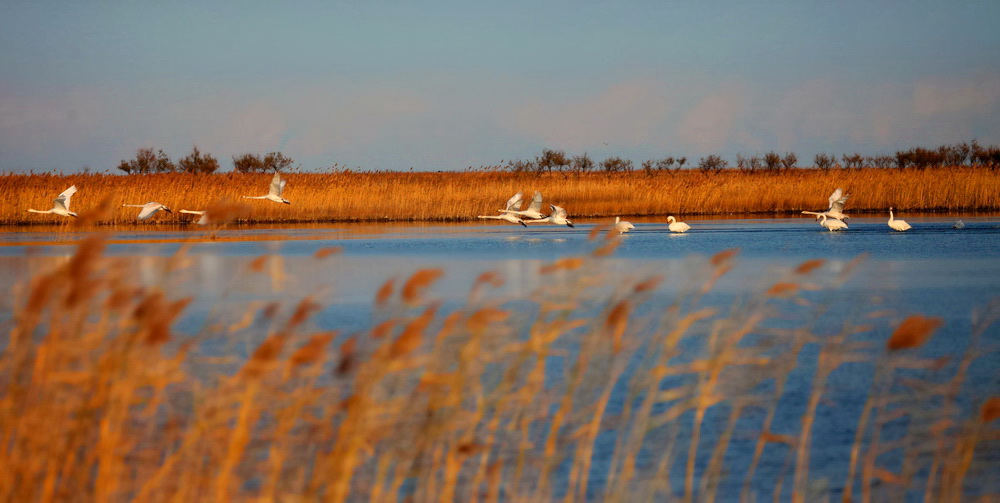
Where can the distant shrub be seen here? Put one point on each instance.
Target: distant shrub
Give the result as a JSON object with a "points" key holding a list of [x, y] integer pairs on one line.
{"points": [[712, 164], [196, 162], [772, 161], [617, 165], [824, 161], [749, 164], [648, 167], [582, 163], [665, 164], [520, 166], [790, 161], [552, 159], [984, 156], [881, 161], [655, 165], [146, 161], [743, 163], [958, 154], [254, 163], [853, 160]]}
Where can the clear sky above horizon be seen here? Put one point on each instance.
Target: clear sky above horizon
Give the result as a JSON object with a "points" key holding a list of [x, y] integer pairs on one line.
{"points": [[447, 85]]}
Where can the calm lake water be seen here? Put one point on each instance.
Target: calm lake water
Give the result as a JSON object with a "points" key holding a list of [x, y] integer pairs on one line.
{"points": [[933, 269]]}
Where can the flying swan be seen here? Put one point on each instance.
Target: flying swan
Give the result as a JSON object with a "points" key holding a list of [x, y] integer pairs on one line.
{"points": [[201, 221], [149, 209], [509, 214], [534, 208], [557, 217], [60, 206], [836, 210], [274, 194]]}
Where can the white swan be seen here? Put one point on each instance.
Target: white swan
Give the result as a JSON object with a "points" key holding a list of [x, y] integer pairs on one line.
{"points": [[958, 225], [534, 208], [274, 193], [623, 227], [557, 217], [201, 221], [898, 225], [676, 226], [832, 224], [836, 210], [60, 206], [512, 204], [149, 209]]}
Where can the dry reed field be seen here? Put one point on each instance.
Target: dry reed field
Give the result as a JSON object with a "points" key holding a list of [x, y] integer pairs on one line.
{"points": [[592, 388], [353, 196]]}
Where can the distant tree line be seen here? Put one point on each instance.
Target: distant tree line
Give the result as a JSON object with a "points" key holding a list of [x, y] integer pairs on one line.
{"points": [[558, 161], [148, 161], [959, 154]]}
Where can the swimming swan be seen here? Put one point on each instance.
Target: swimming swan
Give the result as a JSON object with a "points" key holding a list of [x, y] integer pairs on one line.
{"points": [[832, 224], [676, 226], [898, 225], [623, 227]]}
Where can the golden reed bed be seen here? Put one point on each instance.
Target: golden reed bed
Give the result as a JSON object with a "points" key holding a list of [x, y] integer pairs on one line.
{"points": [[350, 196], [102, 398]]}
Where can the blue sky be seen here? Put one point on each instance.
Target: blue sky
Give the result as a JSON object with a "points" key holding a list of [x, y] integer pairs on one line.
{"points": [[447, 85]]}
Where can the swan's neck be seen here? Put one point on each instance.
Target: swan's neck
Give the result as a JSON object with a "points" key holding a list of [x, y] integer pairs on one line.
{"points": [[890, 215], [39, 211]]}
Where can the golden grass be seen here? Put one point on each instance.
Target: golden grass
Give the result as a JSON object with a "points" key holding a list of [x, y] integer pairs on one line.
{"points": [[102, 400], [348, 196]]}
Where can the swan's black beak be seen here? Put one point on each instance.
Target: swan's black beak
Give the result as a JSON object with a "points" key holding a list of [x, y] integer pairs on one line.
{"points": [[287, 202], [523, 224], [570, 224], [167, 209]]}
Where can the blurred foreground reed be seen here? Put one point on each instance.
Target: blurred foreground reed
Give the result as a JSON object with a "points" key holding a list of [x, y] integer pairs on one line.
{"points": [[390, 196], [592, 387]]}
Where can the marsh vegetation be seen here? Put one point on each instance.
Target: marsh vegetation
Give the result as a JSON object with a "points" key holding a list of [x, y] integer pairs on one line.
{"points": [[590, 386]]}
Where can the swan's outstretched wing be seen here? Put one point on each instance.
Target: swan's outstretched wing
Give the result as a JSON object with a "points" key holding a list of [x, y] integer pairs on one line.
{"points": [[838, 198], [536, 202], [514, 203], [277, 185], [149, 209], [63, 199], [557, 211]]}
